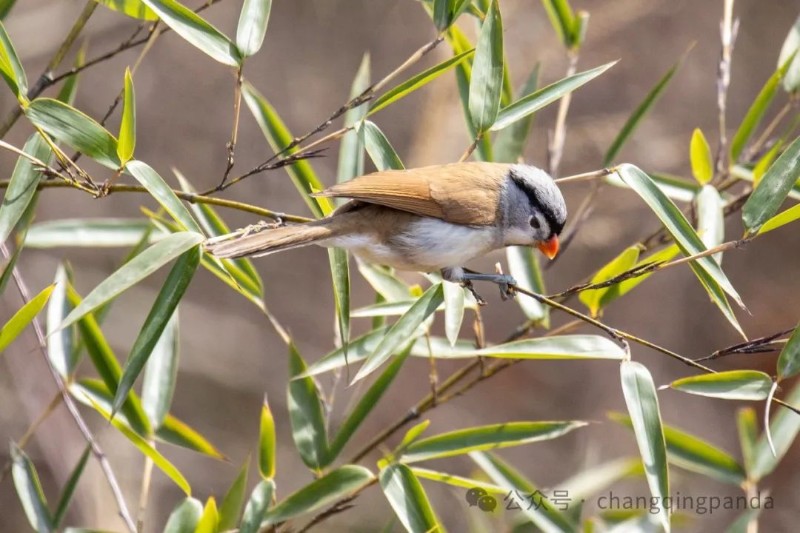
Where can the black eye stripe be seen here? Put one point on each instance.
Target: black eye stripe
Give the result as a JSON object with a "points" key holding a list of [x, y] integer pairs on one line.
{"points": [[549, 216]]}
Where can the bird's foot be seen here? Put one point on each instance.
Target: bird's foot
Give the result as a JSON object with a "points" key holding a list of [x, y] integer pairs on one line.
{"points": [[471, 288]]}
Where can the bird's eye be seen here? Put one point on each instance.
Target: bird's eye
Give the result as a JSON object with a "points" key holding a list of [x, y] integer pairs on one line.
{"points": [[535, 224]]}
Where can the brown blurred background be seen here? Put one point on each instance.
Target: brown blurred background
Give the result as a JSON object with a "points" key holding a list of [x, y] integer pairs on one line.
{"points": [[230, 356]]}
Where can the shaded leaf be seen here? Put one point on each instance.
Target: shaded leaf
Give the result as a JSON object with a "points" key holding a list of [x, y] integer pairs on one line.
{"points": [[29, 490], [594, 480], [305, 414], [185, 517], [408, 499], [773, 188], [5, 7], [340, 280], [486, 82], [380, 151], [351, 148], [747, 426], [87, 232], [69, 487], [257, 505], [510, 142], [453, 310], [161, 373], [22, 186], [728, 385], [69, 89], [789, 359], [562, 18], [231, 508], [784, 428], [700, 157], [267, 443], [24, 316], [252, 27]]}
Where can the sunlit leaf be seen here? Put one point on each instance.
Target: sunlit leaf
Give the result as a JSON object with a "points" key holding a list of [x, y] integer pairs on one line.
{"points": [[24, 316], [784, 426], [127, 128], [11, 67], [408, 499], [558, 347], [132, 8], [453, 310], [380, 151], [729, 385], [700, 157], [486, 82], [711, 219], [781, 219], [596, 299], [161, 373], [790, 50], [252, 27], [209, 521], [22, 186], [158, 188], [87, 232], [789, 359], [678, 189], [773, 188], [267, 443], [185, 517], [60, 342], [29, 491], [596, 479], [351, 148], [179, 433], [523, 266], [562, 18]]}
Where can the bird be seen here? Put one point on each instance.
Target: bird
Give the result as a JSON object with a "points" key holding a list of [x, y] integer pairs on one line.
{"points": [[426, 219]]}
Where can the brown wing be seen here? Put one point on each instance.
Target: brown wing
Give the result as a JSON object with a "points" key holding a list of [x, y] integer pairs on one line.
{"points": [[461, 193]]}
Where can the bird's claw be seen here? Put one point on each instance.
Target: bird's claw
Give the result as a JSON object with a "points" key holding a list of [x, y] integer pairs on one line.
{"points": [[471, 288], [506, 285]]}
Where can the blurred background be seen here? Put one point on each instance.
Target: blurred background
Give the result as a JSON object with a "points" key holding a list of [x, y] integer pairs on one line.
{"points": [[231, 357]]}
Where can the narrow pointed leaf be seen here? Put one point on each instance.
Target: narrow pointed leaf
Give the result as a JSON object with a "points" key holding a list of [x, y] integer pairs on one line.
{"points": [[408, 499], [132, 8], [69, 487], [11, 67], [176, 432], [414, 433], [678, 189], [185, 517], [231, 508], [486, 438], [161, 373], [252, 27], [558, 347], [700, 157], [730, 385], [196, 31], [596, 299], [75, 129], [784, 426], [87, 233], [789, 51], [486, 82], [23, 317], [134, 271], [384, 282], [5, 7], [158, 188], [60, 342], [711, 219], [305, 414], [453, 310], [596, 479], [510, 142], [773, 188], [533, 102], [351, 149], [209, 521], [127, 128], [457, 481], [562, 18], [267, 443], [789, 359], [523, 265], [380, 151], [638, 114], [420, 80], [747, 426], [320, 493], [340, 280], [400, 332], [22, 186], [29, 491], [257, 505], [642, 401], [781, 219], [69, 89]]}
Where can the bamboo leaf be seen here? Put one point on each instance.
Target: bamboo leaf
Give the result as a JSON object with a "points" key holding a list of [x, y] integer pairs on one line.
{"points": [[351, 148], [5, 7], [185, 517], [179, 433], [453, 310], [60, 342], [29, 491], [408, 499], [642, 401], [486, 82], [209, 521], [676, 188], [252, 27], [558, 347], [535, 101], [158, 188], [161, 373], [728, 385], [305, 414], [445, 12], [340, 280], [69, 487], [24, 316], [22, 186], [127, 127], [257, 505], [596, 299], [231, 509], [523, 266], [87, 233], [789, 359], [11, 67], [132, 8], [378, 147], [781, 219], [69, 89], [747, 426], [700, 157], [773, 188], [789, 51], [711, 219], [784, 428], [196, 31], [510, 142], [400, 332], [562, 18], [267, 443], [486, 438]]}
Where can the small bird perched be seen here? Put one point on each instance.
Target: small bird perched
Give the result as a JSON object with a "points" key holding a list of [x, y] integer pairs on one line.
{"points": [[425, 219]]}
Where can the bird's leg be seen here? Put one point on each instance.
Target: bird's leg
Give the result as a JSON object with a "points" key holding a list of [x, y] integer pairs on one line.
{"points": [[456, 275], [504, 281]]}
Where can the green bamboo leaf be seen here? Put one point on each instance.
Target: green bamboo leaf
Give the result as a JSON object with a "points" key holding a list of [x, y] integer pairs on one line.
{"points": [[728, 385], [700, 157], [76, 129], [510, 142], [523, 265], [320, 493], [209, 521], [773, 188], [638, 114], [533, 102], [5, 7], [257, 506], [29, 491], [158, 188], [156, 322], [267, 444], [562, 18], [457, 481], [176, 432], [365, 405], [132, 8], [678, 227], [87, 233], [11, 67], [383, 281], [789, 359], [351, 148], [711, 219], [196, 31], [486, 438], [642, 402], [161, 373], [231, 509], [445, 12], [781, 219], [453, 310], [754, 175], [408, 499], [22, 186], [18, 235], [401, 331], [411, 436], [486, 83], [69, 89], [89, 390], [676, 188], [127, 128], [185, 517], [357, 350], [69, 487], [594, 480], [147, 449], [596, 299], [545, 516], [380, 151], [23, 317], [789, 51], [558, 347], [756, 112], [696, 455], [340, 280], [305, 414], [420, 80], [784, 428], [747, 426], [134, 271], [278, 136], [60, 342], [252, 27]]}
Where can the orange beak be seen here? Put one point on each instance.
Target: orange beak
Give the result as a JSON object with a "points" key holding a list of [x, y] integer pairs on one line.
{"points": [[549, 247]]}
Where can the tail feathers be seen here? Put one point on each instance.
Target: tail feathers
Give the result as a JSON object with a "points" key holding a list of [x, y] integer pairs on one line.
{"points": [[269, 241]]}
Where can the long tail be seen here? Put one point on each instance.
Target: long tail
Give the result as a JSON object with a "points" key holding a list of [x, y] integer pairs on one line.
{"points": [[268, 241]]}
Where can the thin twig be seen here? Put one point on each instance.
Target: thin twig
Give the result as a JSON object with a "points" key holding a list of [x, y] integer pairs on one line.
{"points": [[97, 451], [728, 30], [55, 402], [237, 106], [144, 493], [556, 148]]}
